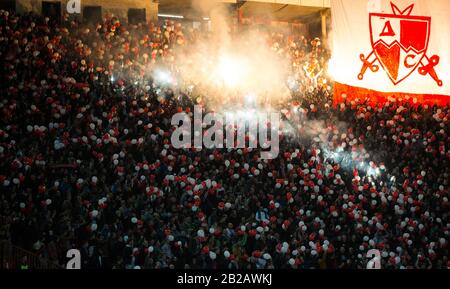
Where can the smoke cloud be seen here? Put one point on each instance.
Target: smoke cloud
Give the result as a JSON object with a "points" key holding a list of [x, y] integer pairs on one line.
{"points": [[231, 67]]}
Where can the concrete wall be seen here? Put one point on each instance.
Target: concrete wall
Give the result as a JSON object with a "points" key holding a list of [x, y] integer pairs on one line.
{"points": [[118, 8], [310, 3]]}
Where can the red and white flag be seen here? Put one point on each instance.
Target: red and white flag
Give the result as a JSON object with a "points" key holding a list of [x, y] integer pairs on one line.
{"points": [[391, 49]]}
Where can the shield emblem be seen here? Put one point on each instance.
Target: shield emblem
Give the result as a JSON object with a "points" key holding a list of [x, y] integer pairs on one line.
{"points": [[399, 42]]}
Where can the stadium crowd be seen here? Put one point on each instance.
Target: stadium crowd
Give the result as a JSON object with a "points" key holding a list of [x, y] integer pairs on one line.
{"points": [[86, 162]]}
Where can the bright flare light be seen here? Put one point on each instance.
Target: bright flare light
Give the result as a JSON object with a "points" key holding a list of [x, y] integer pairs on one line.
{"points": [[250, 99], [231, 71], [163, 77], [225, 72], [375, 172]]}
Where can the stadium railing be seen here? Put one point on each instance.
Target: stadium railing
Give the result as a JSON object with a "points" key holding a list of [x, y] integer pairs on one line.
{"points": [[13, 257]]}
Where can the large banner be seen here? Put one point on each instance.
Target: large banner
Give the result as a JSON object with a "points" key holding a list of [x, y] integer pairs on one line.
{"points": [[391, 48]]}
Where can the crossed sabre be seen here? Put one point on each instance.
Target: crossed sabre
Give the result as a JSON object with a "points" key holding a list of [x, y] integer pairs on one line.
{"points": [[429, 68], [369, 63]]}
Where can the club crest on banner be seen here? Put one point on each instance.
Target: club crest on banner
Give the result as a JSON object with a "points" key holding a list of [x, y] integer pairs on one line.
{"points": [[399, 45]]}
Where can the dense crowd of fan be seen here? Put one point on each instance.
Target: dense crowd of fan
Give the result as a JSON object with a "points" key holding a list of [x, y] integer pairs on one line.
{"points": [[86, 162]]}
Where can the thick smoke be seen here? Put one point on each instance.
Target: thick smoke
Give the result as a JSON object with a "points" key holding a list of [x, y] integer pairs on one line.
{"points": [[238, 68]]}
